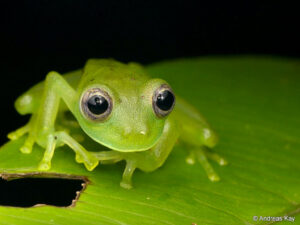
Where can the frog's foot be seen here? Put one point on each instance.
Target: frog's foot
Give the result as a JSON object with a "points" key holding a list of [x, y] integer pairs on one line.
{"points": [[61, 137], [201, 155], [28, 144], [90, 162], [126, 181], [14, 135], [82, 155], [45, 164]]}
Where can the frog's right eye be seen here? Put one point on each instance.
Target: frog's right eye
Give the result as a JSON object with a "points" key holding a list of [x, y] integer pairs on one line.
{"points": [[96, 104]]}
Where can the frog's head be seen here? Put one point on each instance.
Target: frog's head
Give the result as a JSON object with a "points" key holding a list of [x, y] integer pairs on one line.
{"points": [[124, 111]]}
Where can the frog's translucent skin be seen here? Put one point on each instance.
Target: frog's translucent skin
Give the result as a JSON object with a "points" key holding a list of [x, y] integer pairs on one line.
{"points": [[132, 131]]}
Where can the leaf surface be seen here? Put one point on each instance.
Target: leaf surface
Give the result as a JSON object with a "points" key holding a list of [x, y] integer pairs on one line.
{"points": [[254, 105]]}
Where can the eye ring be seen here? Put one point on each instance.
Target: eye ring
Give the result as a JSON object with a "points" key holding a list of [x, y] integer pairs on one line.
{"points": [[163, 101], [96, 104]]}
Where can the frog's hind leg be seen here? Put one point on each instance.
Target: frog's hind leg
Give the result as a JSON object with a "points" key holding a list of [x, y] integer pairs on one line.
{"points": [[202, 155], [199, 139], [199, 147]]}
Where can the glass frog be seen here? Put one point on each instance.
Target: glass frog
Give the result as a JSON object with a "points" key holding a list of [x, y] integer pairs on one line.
{"points": [[120, 107]]}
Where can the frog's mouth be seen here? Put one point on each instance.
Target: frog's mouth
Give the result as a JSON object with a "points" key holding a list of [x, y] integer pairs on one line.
{"points": [[129, 147], [128, 144], [124, 140]]}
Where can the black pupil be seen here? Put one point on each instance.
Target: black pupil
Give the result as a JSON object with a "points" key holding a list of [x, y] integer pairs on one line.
{"points": [[165, 100], [97, 104]]}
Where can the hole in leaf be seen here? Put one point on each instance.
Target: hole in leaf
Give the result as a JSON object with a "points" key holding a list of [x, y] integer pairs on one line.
{"points": [[34, 191]]}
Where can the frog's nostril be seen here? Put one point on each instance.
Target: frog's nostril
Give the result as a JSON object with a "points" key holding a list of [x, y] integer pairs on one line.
{"points": [[144, 133], [144, 130]]}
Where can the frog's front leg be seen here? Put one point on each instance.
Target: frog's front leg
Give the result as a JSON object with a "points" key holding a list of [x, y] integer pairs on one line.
{"points": [[62, 137], [42, 128], [153, 158], [148, 160]]}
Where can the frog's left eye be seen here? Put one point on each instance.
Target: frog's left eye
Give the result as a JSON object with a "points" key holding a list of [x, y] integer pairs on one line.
{"points": [[96, 104], [163, 100]]}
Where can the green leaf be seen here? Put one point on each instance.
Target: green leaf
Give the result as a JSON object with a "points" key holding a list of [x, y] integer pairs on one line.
{"points": [[253, 104]]}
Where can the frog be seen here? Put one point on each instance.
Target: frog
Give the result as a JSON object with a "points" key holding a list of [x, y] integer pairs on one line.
{"points": [[137, 118]]}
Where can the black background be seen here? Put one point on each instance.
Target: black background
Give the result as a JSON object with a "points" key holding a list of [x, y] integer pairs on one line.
{"points": [[39, 36]]}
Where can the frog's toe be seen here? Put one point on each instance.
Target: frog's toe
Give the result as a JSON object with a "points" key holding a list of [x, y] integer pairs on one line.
{"points": [[26, 149], [191, 158], [125, 184], [216, 157], [12, 136], [91, 164], [27, 146], [79, 158], [88, 160], [44, 166], [202, 155], [223, 162], [214, 177]]}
